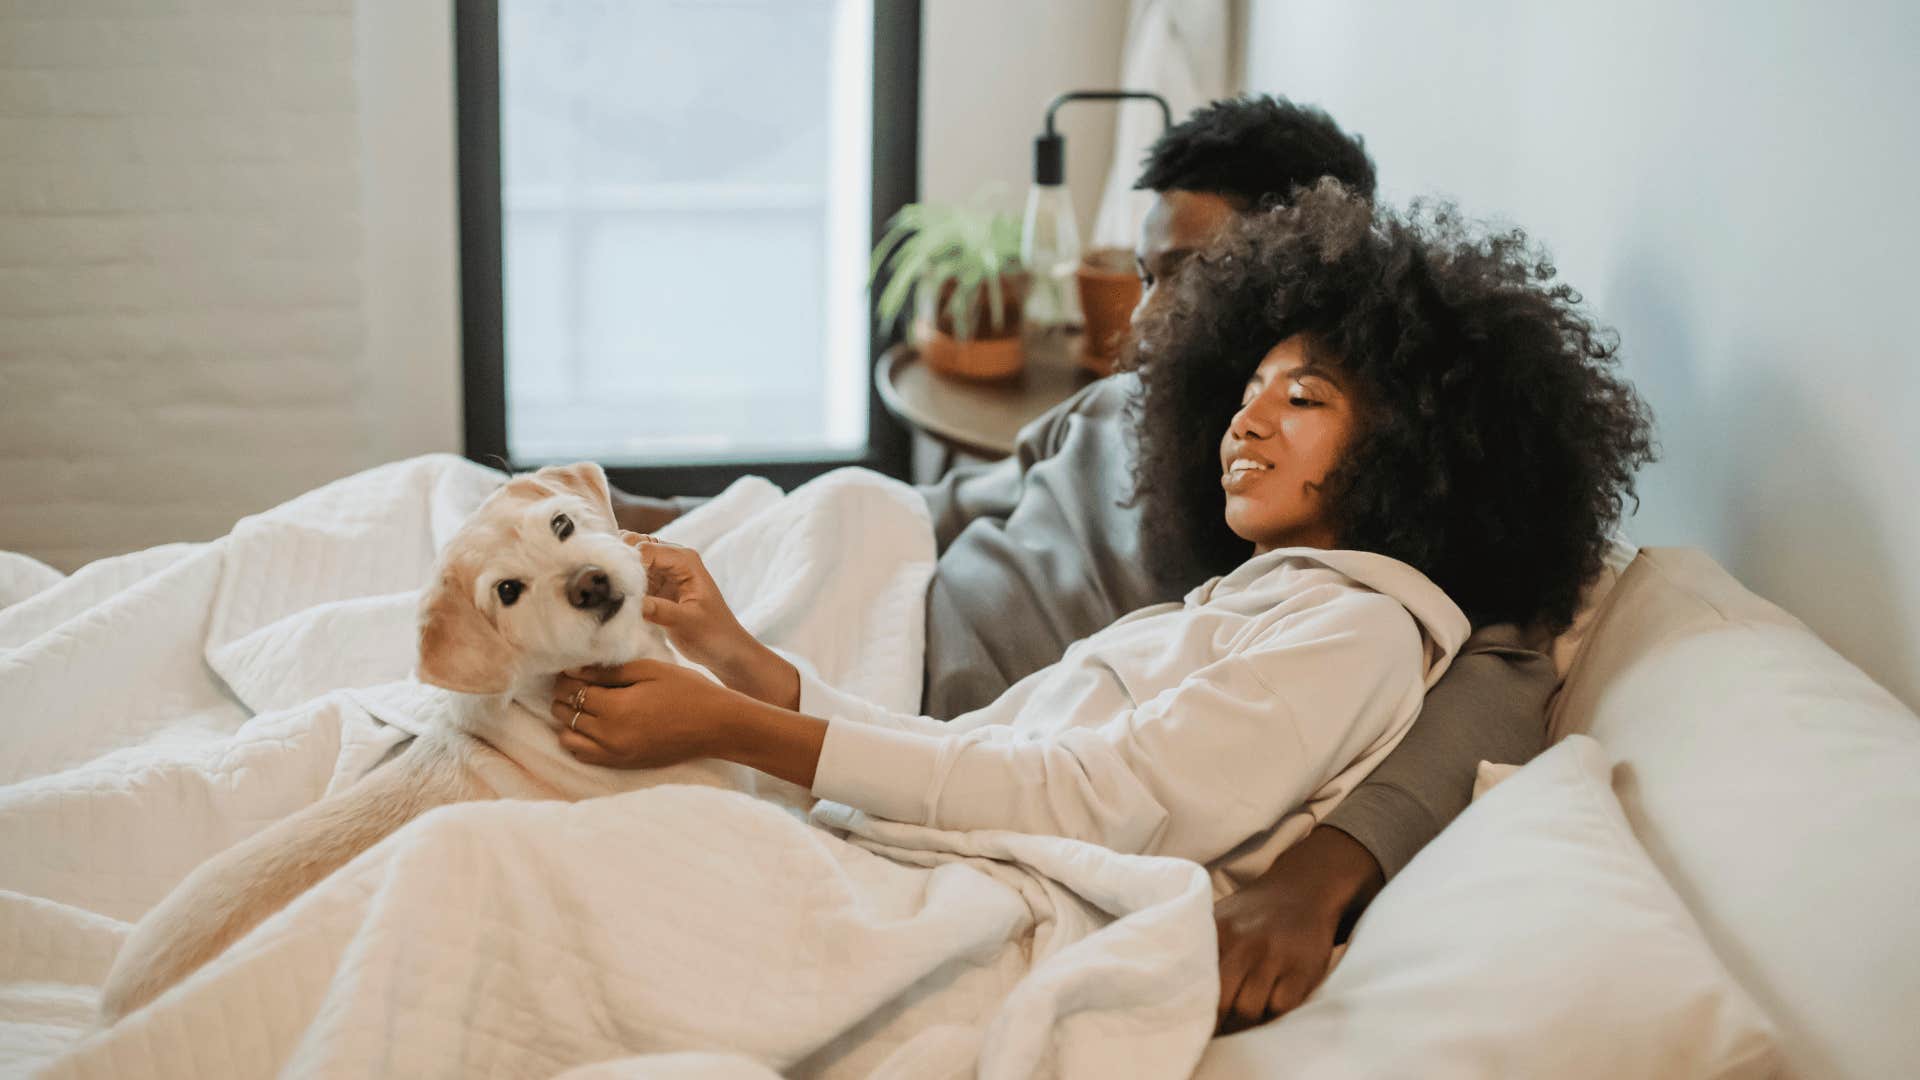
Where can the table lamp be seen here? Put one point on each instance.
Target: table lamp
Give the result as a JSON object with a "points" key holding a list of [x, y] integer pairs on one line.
{"points": [[1049, 233]]}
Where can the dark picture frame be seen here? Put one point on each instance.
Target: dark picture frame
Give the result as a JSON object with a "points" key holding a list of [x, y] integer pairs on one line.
{"points": [[896, 148]]}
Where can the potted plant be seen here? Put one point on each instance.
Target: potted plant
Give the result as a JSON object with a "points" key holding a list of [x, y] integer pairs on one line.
{"points": [[960, 268]]}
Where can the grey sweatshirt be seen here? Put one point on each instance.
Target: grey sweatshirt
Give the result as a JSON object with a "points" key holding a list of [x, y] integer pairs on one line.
{"points": [[1037, 551]]}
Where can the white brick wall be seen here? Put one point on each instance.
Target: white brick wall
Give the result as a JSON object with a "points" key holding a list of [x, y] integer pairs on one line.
{"points": [[185, 289]]}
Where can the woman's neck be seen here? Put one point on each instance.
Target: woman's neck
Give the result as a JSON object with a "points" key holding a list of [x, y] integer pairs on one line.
{"points": [[1317, 537]]}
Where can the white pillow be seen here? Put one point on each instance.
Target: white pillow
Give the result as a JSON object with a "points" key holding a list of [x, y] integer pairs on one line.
{"points": [[1532, 938]]}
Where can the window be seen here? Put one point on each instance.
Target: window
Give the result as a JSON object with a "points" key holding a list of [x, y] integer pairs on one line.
{"points": [[666, 208]]}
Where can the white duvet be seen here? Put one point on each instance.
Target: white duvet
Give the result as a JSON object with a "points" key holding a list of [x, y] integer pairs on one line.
{"points": [[160, 706]]}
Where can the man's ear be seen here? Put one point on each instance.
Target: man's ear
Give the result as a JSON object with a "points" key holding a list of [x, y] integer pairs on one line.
{"points": [[586, 479], [459, 649]]}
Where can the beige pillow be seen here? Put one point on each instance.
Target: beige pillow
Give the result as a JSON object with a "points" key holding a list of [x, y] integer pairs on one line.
{"points": [[1773, 784], [1533, 938], [1619, 555]]}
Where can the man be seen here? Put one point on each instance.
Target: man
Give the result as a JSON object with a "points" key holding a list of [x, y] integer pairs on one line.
{"points": [[1043, 549]]}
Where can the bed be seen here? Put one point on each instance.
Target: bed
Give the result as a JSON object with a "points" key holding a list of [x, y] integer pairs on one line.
{"points": [[1732, 897]]}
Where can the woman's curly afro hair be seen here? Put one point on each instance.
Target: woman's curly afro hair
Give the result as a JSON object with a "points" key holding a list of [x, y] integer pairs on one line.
{"points": [[1494, 443]]}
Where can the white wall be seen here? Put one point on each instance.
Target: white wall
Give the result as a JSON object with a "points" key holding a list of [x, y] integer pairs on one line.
{"points": [[225, 269], [410, 207], [1733, 187], [988, 68]]}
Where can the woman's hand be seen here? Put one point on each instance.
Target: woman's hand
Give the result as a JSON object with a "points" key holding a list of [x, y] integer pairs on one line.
{"points": [[643, 715], [651, 713], [683, 599]]}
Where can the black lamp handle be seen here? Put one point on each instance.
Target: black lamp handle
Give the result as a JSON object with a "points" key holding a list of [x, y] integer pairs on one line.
{"points": [[1050, 148], [1166, 112]]}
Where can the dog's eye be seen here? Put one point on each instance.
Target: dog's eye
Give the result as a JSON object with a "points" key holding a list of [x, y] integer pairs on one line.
{"points": [[508, 591], [562, 526]]}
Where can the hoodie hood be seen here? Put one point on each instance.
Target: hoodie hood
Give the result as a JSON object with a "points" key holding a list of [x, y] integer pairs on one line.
{"points": [[1443, 625]]}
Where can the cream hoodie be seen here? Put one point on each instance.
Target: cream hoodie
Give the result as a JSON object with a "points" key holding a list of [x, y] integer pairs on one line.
{"points": [[1217, 729]]}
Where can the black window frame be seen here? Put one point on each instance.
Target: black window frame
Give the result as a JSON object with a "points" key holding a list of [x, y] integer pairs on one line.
{"points": [[896, 147]]}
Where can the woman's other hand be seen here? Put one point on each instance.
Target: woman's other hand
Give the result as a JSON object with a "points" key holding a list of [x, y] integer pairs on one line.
{"points": [[683, 599]]}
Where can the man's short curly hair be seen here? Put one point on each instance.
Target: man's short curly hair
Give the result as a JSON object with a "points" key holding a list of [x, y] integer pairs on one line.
{"points": [[1494, 444], [1256, 150]]}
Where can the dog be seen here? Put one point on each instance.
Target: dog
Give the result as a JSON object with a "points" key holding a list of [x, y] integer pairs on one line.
{"points": [[539, 580]]}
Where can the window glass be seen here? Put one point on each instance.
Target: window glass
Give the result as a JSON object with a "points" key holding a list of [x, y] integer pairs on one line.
{"points": [[685, 214]]}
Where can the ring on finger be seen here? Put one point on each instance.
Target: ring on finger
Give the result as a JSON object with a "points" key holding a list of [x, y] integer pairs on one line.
{"points": [[578, 700], [574, 724]]}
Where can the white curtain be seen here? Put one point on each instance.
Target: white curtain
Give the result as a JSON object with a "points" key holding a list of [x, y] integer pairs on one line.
{"points": [[1180, 50]]}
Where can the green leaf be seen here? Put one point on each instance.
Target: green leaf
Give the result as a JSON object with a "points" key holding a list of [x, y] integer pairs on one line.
{"points": [[926, 245]]}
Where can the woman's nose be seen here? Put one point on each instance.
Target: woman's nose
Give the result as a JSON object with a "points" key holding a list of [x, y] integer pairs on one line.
{"points": [[1248, 425]]}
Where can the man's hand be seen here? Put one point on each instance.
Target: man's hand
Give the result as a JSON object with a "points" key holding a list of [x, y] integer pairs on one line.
{"points": [[642, 513], [1276, 936]]}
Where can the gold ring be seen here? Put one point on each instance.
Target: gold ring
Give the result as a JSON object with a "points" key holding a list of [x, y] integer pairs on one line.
{"points": [[579, 699], [574, 725]]}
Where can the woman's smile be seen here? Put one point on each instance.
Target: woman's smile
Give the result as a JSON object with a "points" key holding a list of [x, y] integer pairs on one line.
{"points": [[1243, 472]]}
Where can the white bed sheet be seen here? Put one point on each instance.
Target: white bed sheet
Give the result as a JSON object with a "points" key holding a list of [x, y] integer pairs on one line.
{"points": [[163, 705]]}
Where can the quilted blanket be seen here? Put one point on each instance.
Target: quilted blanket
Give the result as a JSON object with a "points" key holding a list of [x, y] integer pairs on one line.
{"points": [[700, 921]]}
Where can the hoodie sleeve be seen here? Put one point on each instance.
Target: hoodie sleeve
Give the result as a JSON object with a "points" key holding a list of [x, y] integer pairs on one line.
{"points": [[1192, 772]]}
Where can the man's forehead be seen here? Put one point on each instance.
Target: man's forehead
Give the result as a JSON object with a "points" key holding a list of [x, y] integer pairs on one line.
{"points": [[1185, 219]]}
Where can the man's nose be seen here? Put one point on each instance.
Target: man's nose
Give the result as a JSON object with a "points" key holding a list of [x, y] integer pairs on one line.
{"points": [[589, 587], [1140, 306]]}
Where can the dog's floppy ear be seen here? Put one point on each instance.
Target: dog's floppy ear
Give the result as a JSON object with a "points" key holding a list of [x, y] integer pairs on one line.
{"points": [[586, 479], [459, 649]]}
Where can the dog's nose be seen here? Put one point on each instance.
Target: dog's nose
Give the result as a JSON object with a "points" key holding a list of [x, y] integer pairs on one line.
{"points": [[589, 587]]}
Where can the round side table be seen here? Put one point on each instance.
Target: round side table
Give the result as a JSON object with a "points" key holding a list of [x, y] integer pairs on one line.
{"points": [[978, 418]]}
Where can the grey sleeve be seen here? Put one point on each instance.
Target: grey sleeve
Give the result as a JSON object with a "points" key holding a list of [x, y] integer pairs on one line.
{"points": [[1491, 705], [992, 489]]}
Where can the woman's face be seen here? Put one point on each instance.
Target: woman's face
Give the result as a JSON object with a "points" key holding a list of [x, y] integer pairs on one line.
{"points": [[1293, 425]]}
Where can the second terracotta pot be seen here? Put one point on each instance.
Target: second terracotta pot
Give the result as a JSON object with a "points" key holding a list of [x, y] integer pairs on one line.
{"points": [[1109, 291]]}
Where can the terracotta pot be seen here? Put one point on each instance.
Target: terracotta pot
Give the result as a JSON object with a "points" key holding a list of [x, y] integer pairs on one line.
{"points": [[1109, 291], [988, 354], [979, 359], [1013, 302]]}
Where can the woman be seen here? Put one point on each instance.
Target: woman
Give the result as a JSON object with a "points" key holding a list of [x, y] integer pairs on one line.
{"points": [[1391, 424]]}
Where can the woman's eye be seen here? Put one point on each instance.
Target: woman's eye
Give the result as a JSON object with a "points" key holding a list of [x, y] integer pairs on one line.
{"points": [[508, 591], [1301, 402], [562, 526]]}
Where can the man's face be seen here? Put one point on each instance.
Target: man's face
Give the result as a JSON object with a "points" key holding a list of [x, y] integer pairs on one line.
{"points": [[1179, 224]]}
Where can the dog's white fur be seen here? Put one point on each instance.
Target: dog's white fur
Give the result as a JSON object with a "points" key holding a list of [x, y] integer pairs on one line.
{"points": [[470, 642]]}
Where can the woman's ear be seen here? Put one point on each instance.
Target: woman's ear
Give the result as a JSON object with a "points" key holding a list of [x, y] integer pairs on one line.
{"points": [[586, 479], [459, 649]]}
